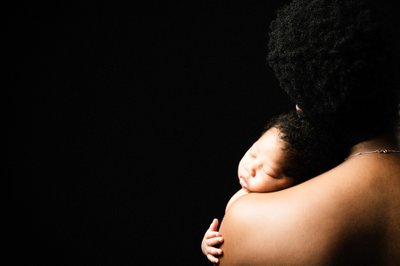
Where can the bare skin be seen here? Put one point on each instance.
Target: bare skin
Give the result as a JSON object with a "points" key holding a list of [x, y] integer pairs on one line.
{"points": [[259, 170], [346, 216]]}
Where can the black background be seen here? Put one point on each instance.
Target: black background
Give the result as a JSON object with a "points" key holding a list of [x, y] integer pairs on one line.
{"points": [[127, 123]]}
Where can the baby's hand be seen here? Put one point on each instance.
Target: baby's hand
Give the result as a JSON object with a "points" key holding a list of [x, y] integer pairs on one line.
{"points": [[212, 239]]}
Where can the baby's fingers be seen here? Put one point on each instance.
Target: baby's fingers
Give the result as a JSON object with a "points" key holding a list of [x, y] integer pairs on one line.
{"points": [[214, 225], [214, 251], [212, 234], [212, 259], [215, 241]]}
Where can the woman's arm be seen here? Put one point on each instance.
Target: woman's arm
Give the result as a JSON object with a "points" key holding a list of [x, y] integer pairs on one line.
{"points": [[258, 233]]}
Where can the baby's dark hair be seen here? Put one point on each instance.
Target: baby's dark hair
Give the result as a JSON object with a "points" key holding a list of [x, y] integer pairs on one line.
{"points": [[310, 148], [338, 60]]}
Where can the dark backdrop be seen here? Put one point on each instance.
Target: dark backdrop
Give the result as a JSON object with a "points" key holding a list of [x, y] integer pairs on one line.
{"points": [[127, 125]]}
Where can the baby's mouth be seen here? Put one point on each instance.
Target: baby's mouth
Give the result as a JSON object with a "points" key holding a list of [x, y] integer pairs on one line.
{"points": [[243, 183]]}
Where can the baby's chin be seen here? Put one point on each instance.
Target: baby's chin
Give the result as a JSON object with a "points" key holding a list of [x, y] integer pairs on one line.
{"points": [[245, 190]]}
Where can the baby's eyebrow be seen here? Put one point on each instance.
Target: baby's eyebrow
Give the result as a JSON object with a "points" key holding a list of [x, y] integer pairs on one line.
{"points": [[256, 147], [254, 150]]}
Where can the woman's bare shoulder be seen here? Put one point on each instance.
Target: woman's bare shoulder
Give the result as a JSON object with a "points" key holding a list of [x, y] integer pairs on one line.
{"points": [[235, 196], [261, 229], [316, 215]]}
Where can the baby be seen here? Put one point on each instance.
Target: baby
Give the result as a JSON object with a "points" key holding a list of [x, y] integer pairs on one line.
{"points": [[289, 152]]}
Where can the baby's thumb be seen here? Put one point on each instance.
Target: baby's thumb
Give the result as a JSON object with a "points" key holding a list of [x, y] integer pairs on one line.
{"points": [[214, 225]]}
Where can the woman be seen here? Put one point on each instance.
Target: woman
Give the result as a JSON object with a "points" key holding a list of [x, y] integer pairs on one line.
{"points": [[337, 61]]}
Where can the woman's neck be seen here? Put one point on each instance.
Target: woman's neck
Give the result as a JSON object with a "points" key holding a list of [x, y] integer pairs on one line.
{"points": [[389, 142]]}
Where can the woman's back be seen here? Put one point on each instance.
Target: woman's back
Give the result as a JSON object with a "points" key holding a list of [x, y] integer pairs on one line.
{"points": [[347, 216]]}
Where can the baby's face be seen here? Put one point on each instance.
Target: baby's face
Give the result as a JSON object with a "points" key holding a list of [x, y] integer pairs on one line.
{"points": [[260, 169]]}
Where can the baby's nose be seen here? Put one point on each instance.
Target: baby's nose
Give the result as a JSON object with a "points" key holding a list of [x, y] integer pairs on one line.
{"points": [[250, 169]]}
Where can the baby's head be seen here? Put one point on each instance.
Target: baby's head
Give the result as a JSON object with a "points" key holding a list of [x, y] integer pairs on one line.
{"points": [[261, 169], [290, 151]]}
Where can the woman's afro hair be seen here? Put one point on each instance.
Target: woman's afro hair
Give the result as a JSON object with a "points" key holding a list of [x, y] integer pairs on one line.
{"points": [[338, 61]]}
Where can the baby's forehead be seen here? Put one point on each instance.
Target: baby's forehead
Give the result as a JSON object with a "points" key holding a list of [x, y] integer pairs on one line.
{"points": [[272, 147], [272, 137], [271, 133], [272, 130]]}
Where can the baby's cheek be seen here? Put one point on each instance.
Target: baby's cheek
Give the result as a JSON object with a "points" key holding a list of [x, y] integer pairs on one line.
{"points": [[267, 184]]}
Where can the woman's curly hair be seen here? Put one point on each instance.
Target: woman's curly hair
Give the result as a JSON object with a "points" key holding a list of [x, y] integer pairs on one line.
{"points": [[337, 60]]}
